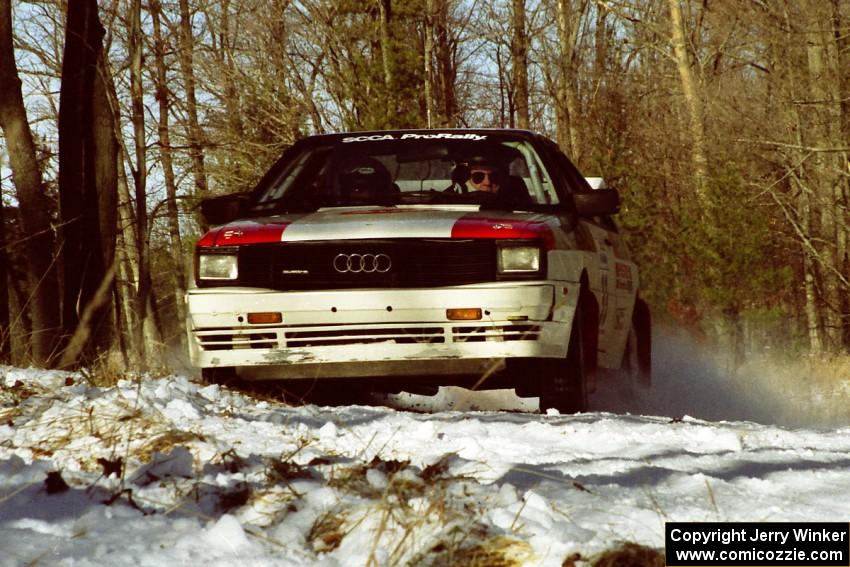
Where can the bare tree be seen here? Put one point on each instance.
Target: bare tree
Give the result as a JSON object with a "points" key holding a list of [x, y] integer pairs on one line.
{"points": [[428, 56], [567, 105], [447, 60], [163, 95], [194, 132], [519, 62], [35, 207], [387, 57], [5, 323], [87, 182], [147, 334], [693, 98]]}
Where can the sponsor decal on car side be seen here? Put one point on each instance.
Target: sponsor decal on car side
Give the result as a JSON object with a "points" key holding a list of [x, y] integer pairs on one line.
{"points": [[624, 277]]}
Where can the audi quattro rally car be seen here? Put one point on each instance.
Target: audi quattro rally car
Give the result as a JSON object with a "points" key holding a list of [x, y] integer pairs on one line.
{"points": [[373, 257]]}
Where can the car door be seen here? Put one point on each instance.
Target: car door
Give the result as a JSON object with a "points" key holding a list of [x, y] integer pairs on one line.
{"points": [[614, 284], [622, 279], [604, 286]]}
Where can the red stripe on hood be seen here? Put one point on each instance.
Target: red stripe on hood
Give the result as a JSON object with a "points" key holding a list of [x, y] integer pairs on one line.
{"points": [[496, 228], [208, 239], [247, 232]]}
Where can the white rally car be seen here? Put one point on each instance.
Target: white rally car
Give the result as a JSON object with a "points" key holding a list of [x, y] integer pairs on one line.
{"points": [[410, 259]]}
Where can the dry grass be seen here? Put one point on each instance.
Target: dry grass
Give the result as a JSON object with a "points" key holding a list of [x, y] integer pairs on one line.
{"points": [[479, 549], [417, 518], [811, 389], [105, 372], [626, 555], [164, 443], [327, 532], [440, 529], [7, 415]]}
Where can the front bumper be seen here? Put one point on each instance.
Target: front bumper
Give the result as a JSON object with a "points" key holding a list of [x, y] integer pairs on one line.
{"points": [[372, 332]]}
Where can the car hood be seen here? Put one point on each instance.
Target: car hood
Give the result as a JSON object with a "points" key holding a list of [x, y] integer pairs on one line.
{"points": [[354, 223]]}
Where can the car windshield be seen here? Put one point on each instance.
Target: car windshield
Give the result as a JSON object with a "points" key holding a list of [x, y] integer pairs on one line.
{"points": [[409, 169]]}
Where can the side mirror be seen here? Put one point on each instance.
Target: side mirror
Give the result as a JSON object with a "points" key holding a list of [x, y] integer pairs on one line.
{"points": [[222, 210], [596, 182], [597, 202]]}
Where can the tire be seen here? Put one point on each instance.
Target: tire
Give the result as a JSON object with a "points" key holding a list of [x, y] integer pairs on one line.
{"points": [[564, 380], [642, 327]]}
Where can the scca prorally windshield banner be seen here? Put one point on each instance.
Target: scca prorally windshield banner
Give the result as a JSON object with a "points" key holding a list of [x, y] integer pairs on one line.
{"points": [[413, 136]]}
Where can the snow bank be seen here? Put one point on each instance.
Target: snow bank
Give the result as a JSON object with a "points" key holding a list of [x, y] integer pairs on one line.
{"points": [[168, 472]]}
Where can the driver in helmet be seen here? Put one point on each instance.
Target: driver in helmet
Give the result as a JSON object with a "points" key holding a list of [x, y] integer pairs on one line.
{"points": [[479, 174], [484, 177]]}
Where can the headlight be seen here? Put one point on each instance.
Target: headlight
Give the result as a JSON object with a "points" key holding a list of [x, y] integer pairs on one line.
{"points": [[519, 259], [217, 267]]}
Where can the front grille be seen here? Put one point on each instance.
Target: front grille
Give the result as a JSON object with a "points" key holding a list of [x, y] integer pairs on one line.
{"points": [[233, 339], [496, 333], [396, 335], [339, 335], [412, 263]]}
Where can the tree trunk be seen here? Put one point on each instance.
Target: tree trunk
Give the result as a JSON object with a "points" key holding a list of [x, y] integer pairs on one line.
{"points": [[693, 101], [446, 62], [87, 177], [128, 271], [172, 212], [385, 10], [5, 323], [566, 109], [140, 181], [600, 43], [231, 93], [35, 206], [824, 92], [21, 329], [840, 25], [429, 56], [791, 83], [194, 133], [519, 60], [838, 42], [105, 147], [502, 89]]}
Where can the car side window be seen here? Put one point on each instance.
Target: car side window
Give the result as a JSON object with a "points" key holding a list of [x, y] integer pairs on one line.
{"points": [[576, 181]]}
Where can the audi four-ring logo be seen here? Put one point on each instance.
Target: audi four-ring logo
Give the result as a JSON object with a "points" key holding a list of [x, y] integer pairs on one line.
{"points": [[362, 263]]}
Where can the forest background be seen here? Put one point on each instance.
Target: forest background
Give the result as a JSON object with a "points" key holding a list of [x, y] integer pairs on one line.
{"points": [[725, 124]]}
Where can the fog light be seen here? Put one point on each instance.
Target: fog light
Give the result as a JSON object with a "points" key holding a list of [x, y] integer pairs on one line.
{"points": [[469, 314], [264, 318]]}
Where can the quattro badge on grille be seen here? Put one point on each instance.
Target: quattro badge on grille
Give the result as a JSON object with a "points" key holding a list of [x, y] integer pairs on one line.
{"points": [[362, 263]]}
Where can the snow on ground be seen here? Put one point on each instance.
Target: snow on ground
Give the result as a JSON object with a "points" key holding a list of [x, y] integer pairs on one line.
{"points": [[168, 472]]}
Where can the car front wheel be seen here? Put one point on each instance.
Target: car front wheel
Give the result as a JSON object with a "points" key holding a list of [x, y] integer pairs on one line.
{"points": [[564, 380]]}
